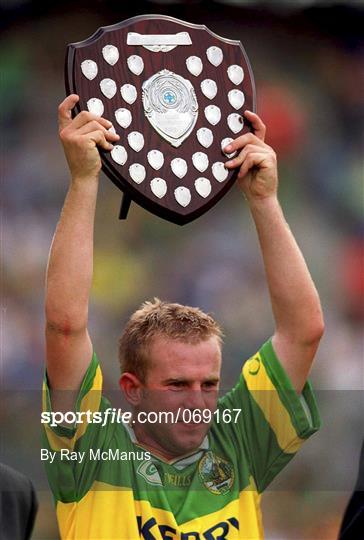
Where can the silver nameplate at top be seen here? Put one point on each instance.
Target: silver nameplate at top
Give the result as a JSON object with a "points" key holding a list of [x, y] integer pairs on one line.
{"points": [[182, 38], [159, 42]]}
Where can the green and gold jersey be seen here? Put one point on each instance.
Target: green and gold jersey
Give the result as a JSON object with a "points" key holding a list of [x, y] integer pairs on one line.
{"points": [[115, 492]]}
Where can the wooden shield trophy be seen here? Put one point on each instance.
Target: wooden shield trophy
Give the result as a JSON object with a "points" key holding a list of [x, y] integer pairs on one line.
{"points": [[175, 93]]}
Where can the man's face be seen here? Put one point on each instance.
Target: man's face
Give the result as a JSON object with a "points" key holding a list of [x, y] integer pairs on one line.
{"points": [[183, 377]]}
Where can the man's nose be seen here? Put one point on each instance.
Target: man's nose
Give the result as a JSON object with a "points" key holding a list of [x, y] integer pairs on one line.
{"points": [[194, 399]]}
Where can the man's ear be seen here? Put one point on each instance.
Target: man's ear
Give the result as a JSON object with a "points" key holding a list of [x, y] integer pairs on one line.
{"points": [[131, 386]]}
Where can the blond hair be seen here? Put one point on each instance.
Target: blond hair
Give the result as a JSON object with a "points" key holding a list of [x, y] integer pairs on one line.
{"points": [[158, 318]]}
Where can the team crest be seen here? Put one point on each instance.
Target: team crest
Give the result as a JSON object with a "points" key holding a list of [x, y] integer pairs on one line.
{"points": [[176, 94], [150, 473], [216, 473]]}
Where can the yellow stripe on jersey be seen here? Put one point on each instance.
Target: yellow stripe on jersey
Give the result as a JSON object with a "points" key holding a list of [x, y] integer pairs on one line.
{"points": [[115, 515], [91, 401], [245, 509], [266, 396]]}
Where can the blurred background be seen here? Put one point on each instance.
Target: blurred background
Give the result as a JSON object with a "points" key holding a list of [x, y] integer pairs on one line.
{"points": [[308, 61]]}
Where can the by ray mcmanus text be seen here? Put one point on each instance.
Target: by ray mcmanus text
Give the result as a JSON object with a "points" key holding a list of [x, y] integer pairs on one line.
{"points": [[92, 454]]}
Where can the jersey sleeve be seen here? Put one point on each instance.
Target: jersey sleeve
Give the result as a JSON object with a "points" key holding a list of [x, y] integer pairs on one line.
{"points": [[71, 472], [274, 420]]}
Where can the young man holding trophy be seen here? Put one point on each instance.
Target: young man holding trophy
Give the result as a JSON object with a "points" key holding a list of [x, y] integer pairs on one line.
{"points": [[200, 474]]}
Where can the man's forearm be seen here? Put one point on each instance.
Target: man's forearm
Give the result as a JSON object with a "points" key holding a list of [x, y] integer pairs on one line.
{"points": [[69, 273], [295, 302]]}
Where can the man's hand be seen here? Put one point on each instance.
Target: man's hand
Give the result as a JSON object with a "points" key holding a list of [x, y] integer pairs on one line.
{"points": [[81, 137], [257, 176]]}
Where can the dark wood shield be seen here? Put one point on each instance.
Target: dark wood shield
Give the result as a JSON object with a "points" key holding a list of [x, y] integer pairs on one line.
{"points": [[175, 93]]}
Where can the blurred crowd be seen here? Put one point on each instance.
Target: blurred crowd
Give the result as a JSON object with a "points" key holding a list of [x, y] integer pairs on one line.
{"points": [[309, 73]]}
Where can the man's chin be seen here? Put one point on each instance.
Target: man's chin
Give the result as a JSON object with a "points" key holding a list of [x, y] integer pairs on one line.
{"points": [[179, 440], [189, 438]]}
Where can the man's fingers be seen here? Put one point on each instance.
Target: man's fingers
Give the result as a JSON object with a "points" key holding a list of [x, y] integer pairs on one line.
{"points": [[85, 116], [253, 159], [65, 110], [238, 160], [95, 125], [257, 124], [98, 137], [242, 141], [65, 115]]}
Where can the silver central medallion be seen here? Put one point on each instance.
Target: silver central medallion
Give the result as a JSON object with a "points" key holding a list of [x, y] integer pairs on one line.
{"points": [[170, 105]]}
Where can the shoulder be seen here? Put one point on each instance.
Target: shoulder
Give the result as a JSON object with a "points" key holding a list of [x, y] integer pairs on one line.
{"points": [[10, 479], [18, 504]]}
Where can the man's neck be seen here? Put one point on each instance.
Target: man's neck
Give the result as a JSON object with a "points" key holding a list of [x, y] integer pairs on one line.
{"points": [[148, 443]]}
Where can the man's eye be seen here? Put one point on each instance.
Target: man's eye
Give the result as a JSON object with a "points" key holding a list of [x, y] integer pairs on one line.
{"points": [[209, 385], [178, 384]]}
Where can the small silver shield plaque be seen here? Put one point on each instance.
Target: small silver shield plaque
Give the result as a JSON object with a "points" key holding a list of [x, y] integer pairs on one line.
{"points": [[170, 105]]}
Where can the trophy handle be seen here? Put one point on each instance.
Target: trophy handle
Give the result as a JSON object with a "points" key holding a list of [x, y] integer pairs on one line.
{"points": [[125, 205]]}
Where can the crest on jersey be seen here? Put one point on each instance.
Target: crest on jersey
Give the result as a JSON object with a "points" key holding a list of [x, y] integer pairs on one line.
{"points": [[150, 473], [216, 473]]}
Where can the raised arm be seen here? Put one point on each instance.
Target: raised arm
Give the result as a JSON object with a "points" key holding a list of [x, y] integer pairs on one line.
{"points": [[295, 302], [70, 265]]}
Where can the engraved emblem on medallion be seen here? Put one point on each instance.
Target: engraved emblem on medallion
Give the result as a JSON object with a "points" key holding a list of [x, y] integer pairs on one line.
{"points": [[137, 172], [119, 154], [170, 105], [95, 106], [219, 171], [194, 65], [89, 69], [128, 93], [235, 74], [179, 167], [203, 187], [224, 143], [235, 122], [200, 161], [135, 64], [182, 196], [158, 187], [108, 88], [110, 54], [136, 140], [123, 117]]}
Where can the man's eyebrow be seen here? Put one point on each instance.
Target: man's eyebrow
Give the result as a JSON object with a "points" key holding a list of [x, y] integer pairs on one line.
{"points": [[174, 380], [184, 380], [212, 380]]}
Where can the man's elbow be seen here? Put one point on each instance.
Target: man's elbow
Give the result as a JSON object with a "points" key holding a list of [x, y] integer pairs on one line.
{"points": [[314, 331], [66, 324]]}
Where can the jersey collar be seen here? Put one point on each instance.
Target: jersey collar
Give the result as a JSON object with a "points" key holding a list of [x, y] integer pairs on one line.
{"points": [[179, 462]]}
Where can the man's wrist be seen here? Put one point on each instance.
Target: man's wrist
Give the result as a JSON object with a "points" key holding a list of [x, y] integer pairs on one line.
{"points": [[262, 204], [84, 181]]}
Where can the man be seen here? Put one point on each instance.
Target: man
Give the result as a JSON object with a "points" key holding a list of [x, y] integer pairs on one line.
{"points": [[18, 505], [205, 475]]}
